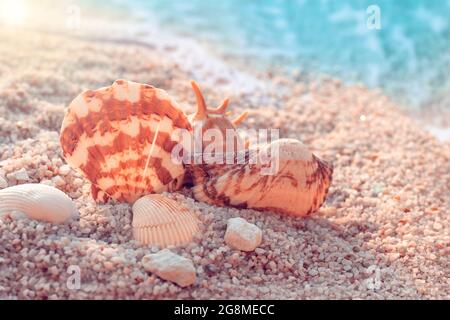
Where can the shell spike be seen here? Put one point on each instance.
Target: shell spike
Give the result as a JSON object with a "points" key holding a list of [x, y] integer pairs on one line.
{"points": [[240, 119], [222, 108], [202, 111]]}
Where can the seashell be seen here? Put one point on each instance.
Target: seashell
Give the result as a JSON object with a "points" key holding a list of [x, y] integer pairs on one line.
{"points": [[206, 119], [158, 220], [298, 187], [39, 202], [120, 138]]}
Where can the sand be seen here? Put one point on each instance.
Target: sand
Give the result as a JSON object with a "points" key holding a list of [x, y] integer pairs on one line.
{"points": [[383, 232]]}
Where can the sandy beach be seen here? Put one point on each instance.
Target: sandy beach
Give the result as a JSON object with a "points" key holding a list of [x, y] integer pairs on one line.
{"points": [[383, 232]]}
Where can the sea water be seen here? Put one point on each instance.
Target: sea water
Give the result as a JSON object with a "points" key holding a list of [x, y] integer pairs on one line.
{"points": [[407, 55]]}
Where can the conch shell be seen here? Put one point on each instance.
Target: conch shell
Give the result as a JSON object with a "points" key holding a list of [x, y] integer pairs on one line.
{"points": [[39, 202], [158, 220], [298, 185], [216, 122]]}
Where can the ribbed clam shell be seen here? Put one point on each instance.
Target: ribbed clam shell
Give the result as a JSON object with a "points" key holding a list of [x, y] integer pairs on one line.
{"points": [[299, 187], [120, 138], [39, 202], [158, 220]]}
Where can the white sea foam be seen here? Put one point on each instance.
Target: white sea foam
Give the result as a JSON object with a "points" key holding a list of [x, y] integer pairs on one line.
{"points": [[442, 134], [194, 58]]}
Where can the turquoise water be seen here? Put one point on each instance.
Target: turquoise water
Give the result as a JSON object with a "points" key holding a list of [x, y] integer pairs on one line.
{"points": [[409, 57]]}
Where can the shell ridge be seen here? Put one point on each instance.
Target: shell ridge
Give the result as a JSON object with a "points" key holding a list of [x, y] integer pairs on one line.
{"points": [[105, 132], [159, 220]]}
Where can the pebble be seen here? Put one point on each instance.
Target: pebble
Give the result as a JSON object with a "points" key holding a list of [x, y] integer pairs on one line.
{"points": [[47, 182], [273, 265], [170, 266], [313, 272], [437, 226], [58, 181], [259, 251], [328, 210], [109, 265], [3, 183], [118, 260], [77, 182], [242, 235], [394, 256], [19, 176], [64, 170]]}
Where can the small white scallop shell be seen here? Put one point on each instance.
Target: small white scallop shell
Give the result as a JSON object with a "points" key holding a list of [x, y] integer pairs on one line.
{"points": [[38, 202], [158, 220]]}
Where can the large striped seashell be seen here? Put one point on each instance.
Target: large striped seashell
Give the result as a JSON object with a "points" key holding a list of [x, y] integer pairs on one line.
{"points": [[120, 138], [298, 187], [38, 202], [158, 220]]}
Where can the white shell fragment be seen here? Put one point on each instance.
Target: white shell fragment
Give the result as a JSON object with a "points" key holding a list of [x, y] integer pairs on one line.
{"points": [[170, 266], [158, 220], [242, 235], [38, 202]]}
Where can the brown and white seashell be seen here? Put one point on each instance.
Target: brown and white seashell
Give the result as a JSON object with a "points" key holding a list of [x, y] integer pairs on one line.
{"points": [[38, 202], [158, 220], [120, 138], [298, 187]]}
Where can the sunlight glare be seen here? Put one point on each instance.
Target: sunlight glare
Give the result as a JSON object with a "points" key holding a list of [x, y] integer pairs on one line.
{"points": [[12, 12]]}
